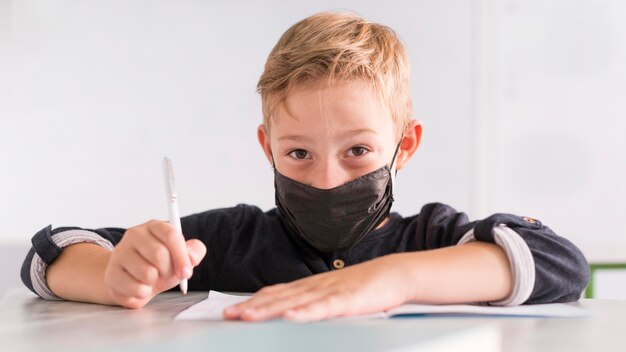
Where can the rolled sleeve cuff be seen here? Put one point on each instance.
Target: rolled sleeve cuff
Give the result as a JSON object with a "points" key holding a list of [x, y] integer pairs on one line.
{"points": [[520, 260], [62, 239]]}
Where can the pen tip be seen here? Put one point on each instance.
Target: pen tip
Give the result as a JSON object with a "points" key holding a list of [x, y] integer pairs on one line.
{"points": [[183, 287]]}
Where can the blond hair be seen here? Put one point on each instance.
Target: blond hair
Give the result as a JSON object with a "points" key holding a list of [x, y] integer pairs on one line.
{"points": [[339, 47]]}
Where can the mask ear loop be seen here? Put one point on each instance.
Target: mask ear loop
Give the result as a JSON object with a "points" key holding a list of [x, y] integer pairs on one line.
{"points": [[273, 164], [393, 159], [393, 163]]}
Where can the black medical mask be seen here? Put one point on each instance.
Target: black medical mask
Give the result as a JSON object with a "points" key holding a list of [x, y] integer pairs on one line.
{"points": [[336, 219]]}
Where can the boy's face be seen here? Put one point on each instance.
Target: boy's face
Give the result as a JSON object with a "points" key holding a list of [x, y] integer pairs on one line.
{"points": [[334, 135]]}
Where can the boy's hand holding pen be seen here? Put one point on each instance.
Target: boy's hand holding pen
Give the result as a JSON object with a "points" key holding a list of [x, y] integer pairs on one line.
{"points": [[151, 258]]}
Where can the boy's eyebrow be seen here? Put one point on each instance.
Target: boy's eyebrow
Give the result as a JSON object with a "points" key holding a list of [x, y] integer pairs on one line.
{"points": [[355, 132], [294, 137], [300, 138]]}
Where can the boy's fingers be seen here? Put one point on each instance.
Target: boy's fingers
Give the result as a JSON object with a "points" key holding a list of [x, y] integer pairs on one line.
{"points": [[140, 269], [264, 295], [278, 307], [327, 307], [124, 284], [282, 294], [175, 242], [157, 254], [196, 250], [164, 285], [125, 301]]}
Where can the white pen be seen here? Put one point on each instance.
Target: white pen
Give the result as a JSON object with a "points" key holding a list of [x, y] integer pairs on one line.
{"points": [[172, 205]]}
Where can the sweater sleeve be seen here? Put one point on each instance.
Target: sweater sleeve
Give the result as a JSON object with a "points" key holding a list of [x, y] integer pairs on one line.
{"points": [[561, 270], [546, 268], [213, 227], [47, 245]]}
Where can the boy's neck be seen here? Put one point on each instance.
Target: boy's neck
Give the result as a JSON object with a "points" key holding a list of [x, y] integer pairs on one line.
{"points": [[380, 226]]}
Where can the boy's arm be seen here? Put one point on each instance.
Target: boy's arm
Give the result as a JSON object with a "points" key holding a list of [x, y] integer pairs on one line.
{"points": [[550, 268], [546, 268], [48, 245], [460, 262], [472, 272], [78, 274], [150, 258]]}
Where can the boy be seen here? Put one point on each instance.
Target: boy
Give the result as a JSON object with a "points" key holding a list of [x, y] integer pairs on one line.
{"points": [[337, 126]]}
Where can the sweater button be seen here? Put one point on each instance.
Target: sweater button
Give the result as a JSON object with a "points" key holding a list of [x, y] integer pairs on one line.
{"points": [[529, 220], [338, 264]]}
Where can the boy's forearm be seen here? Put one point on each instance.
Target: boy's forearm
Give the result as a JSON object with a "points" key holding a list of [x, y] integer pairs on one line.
{"points": [[472, 272], [78, 274]]}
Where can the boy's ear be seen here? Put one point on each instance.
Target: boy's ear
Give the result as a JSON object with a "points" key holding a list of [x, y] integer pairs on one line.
{"points": [[409, 144], [264, 140]]}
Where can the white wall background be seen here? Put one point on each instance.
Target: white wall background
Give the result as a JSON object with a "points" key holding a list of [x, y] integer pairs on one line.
{"points": [[523, 104], [558, 100]]}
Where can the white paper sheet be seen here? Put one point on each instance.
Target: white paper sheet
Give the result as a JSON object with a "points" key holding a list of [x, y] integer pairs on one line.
{"points": [[212, 309]]}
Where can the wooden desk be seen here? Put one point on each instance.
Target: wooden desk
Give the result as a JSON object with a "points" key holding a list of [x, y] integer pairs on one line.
{"points": [[32, 324]]}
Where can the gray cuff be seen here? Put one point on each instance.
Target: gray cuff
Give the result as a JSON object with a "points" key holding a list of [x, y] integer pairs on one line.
{"points": [[520, 260], [62, 239]]}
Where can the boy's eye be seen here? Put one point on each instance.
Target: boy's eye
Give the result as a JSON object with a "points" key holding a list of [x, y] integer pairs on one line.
{"points": [[299, 154], [357, 151]]}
